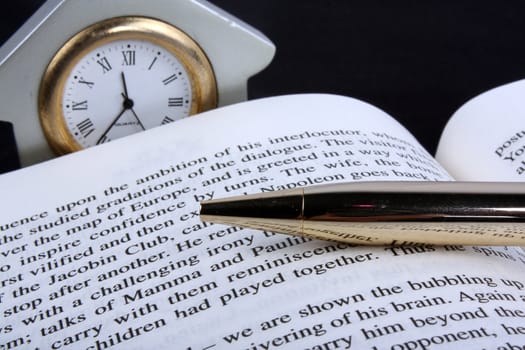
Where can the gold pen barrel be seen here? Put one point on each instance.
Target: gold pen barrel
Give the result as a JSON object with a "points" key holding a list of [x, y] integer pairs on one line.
{"points": [[388, 213]]}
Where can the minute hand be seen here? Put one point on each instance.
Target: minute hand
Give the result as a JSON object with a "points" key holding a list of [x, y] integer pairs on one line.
{"points": [[111, 125]]}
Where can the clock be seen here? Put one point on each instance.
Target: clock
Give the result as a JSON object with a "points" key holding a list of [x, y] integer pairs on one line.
{"points": [[82, 73], [121, 76]]}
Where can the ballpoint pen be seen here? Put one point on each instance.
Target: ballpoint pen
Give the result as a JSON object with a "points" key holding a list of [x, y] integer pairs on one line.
{"points": [[384, 213]]}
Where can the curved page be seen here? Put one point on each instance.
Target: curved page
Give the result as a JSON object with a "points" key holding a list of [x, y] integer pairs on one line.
{"points": [[103, 249]]}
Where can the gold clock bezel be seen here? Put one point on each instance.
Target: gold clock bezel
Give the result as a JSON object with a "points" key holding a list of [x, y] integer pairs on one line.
{"points": [[174, 40]]}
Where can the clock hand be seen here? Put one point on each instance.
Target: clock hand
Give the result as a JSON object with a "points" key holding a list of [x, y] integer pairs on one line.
{"points": [[111, 125], [128, 102], [137, 117], [125, 94]]}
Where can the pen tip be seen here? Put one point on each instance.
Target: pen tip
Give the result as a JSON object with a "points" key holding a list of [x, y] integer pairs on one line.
{"points": [[266, 205]]}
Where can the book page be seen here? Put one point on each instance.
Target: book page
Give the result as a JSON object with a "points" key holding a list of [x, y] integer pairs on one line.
{"points": [[104, 249], [485, 139]]}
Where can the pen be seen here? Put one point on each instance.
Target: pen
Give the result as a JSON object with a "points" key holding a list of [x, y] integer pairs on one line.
{"points": [[384, 213]]}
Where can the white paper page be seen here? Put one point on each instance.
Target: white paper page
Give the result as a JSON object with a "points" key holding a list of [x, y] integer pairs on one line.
{"points": [[103, 249], [485, 139]]}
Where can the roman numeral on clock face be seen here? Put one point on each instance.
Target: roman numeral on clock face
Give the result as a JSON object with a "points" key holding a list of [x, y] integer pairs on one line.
{"points": [[167, 120], [104, 63], [170, 79], [85, 127], [128, 58], [175, 102], [79, 106], [89, 84], [152, 63]]}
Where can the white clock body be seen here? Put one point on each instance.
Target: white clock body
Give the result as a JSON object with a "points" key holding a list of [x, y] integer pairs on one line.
{"points": [[235, 50]]}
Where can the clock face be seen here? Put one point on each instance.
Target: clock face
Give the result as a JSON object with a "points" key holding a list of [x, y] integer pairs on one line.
{"points": [[124, 87], [121, 76]]}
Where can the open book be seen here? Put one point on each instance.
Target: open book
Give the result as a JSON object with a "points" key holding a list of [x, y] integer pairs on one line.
{"points": [[104, 249]]}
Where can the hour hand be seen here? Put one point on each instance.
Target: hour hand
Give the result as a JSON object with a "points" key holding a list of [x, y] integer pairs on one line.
{"points": [[125, 93]]}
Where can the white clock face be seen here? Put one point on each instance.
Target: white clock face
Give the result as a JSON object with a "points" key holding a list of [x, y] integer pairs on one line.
{"points": [[124, 87]]}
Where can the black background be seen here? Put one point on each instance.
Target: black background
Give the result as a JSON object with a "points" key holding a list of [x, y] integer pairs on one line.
{"points": [[417, 60]]}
